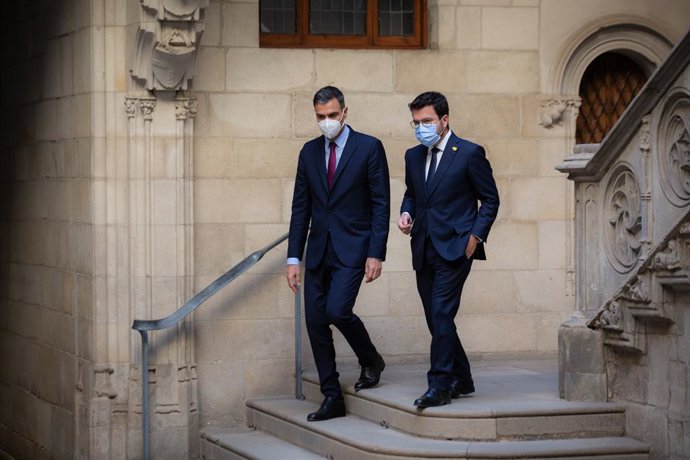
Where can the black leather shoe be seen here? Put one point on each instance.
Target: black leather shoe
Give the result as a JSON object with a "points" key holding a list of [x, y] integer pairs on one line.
{"points": [[457, 389], [370, 375], [330, 408], [433, 397]]}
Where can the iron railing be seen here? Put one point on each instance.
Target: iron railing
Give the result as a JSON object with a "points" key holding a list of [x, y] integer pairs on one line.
{"points": [[144, 326]]}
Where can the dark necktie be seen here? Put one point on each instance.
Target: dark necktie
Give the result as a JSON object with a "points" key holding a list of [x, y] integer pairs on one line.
{"points": [[432, 167], [331, 165]]}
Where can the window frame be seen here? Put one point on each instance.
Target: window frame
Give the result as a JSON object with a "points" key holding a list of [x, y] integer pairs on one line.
{"points": [[372, 39]]}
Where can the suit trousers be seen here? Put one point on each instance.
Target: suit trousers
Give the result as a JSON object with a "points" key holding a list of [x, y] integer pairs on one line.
{"points": [[440, 284], [330, 291]]}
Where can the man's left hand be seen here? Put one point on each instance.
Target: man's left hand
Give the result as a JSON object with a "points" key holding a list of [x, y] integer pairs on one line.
{"points": [[372, 269], [472, 243]]}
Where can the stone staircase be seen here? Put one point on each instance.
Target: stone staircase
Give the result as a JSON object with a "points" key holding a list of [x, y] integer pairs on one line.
{"points": [[516, 413]]}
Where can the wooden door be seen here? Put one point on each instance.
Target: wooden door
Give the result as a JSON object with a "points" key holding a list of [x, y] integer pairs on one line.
{"points": [[608, 85]]}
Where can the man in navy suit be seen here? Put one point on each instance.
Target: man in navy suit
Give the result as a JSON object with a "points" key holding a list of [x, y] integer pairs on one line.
{"points": [[445, 177], [342, 188]]}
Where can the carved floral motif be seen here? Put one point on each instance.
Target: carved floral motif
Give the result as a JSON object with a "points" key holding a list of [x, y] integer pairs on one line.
{"points": [[624, 218], [674, 152]]}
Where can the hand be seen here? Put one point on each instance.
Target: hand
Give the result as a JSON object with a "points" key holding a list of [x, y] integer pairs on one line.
{"points": [[372, 269], [292, 275], [472, 243], [405, 223]]}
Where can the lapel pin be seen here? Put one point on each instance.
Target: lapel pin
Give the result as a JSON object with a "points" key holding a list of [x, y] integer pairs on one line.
{"points": [[455, 149]]}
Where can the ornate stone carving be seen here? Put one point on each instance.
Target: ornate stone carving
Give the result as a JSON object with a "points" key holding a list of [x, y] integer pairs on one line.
{"points": [[147, 106], [185, 108], [623, 220], [674, 151], [645, 135], [636, 291], [669, 259], [608, 318], [551, 109], [167, 42], [131, 106]]}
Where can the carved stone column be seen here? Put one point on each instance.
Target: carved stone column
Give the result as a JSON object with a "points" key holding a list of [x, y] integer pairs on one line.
{"points": [[562, 110], [160, 227], [161, 220]]}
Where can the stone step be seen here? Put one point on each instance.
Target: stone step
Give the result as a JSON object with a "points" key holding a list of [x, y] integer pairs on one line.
{"points": [[218, 444], [511, 403], [353, 437]]}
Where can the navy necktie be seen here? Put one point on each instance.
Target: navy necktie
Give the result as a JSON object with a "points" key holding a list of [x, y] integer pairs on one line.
{"points": [[432, 167]]}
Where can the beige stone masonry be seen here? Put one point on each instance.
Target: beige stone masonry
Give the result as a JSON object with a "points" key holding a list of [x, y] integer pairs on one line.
{"points": [[240, 24], [213, 59], [449, 78], [235, 115], [468, 27], [513, 157], [510, 28], [249, 69], [359, 70], [538, 198], [489, 116], [239, 201], [502, 72]]}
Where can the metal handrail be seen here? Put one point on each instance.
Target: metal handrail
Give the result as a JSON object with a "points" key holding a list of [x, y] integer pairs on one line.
{"points": [[143, 326]]}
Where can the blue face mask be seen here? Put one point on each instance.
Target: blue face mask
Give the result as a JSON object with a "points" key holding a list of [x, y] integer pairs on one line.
{"points": [[426, 134]]}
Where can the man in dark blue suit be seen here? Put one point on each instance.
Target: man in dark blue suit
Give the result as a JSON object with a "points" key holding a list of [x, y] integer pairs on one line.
{"points": [[445, 177], [342, 188]]}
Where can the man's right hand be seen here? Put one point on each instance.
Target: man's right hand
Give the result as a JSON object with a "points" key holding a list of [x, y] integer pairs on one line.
{"points": [[292, 275], [405, 223]]}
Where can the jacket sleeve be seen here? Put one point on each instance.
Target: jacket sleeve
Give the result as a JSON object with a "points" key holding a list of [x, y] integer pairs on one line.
{"points": [[408, 202], [484, 186], [301, 211], [380, 194]]}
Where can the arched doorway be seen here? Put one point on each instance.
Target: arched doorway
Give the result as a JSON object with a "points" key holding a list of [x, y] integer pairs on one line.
{"points": [[608, 85]]}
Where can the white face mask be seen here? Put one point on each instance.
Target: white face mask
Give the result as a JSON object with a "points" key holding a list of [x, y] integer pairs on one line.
{"points": [[331, 128]]}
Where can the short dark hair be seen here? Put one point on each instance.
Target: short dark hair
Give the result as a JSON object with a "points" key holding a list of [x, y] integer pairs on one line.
{"points": [[437, 100], [327, 93]]}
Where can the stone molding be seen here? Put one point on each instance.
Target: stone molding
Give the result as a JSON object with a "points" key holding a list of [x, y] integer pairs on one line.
{"points": [[167, 43], [658, 85], [636, 35]]}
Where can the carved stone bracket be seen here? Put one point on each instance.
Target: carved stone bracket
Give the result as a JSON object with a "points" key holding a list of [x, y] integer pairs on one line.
{"points": [[167, 42], [642, 298], [552, 108], [102, 383]]}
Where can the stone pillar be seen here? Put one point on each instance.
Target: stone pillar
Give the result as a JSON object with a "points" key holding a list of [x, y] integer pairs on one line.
{"points": [[158, 223], [581, 366], [160, 254]]}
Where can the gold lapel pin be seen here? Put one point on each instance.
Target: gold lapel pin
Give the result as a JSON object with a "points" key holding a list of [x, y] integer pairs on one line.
{"points": [[455, 149]]}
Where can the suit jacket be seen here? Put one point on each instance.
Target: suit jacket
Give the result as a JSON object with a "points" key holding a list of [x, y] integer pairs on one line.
{"points": [[356, 211], [449, 213]]}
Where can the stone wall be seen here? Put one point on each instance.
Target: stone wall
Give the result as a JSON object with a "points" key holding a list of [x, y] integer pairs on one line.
{"points": [[494, 60], [46, 218]]}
